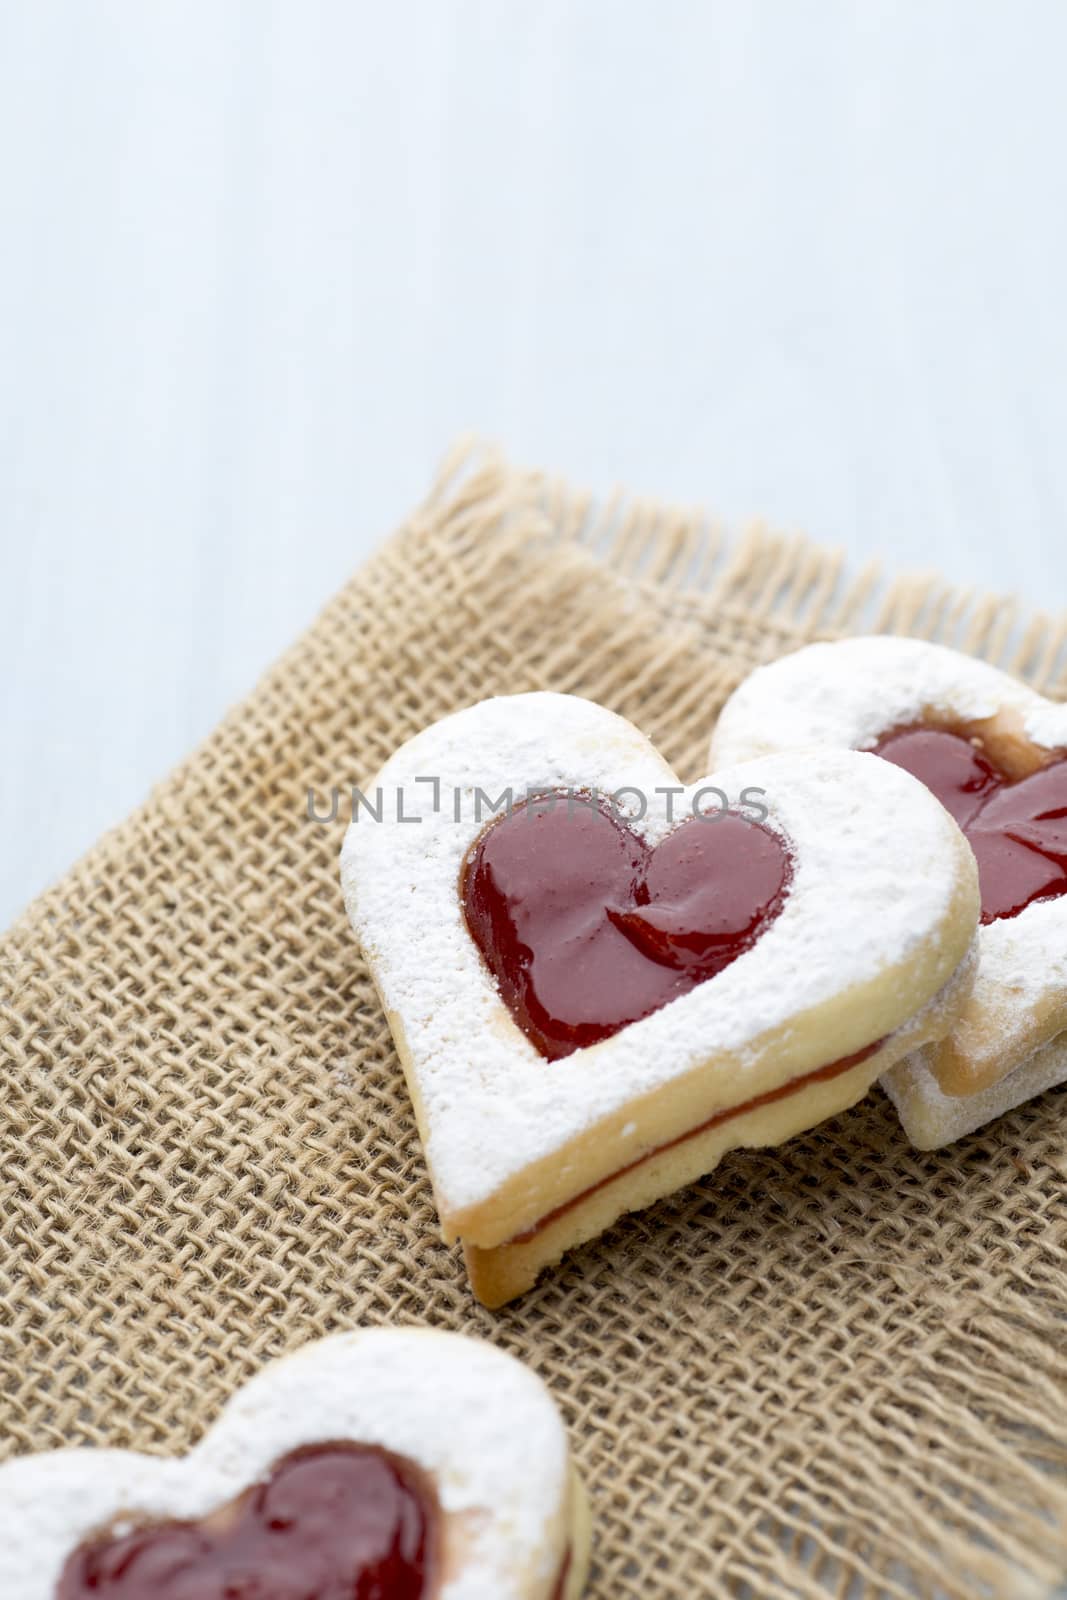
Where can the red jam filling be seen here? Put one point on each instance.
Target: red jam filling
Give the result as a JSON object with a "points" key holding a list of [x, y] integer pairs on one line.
{"points": [[586, 929], [832, 1069], [1017, 829], [332, 1522], [561, 1582]]}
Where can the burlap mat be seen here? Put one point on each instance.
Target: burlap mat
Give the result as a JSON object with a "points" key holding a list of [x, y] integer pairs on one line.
{"points": [[831, 1369]]}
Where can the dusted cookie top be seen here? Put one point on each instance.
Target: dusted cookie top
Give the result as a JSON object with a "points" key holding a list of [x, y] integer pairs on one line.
{"points": [[451, 1452], [851, 693], [863, 938], [994, 750]]}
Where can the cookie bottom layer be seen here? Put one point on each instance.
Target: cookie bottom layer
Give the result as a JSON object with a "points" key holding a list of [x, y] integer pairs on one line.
{"points": [[931, 1118], [499, 1274], [577, 1568]]}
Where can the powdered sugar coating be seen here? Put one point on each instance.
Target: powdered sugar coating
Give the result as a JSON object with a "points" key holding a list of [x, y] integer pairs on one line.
{"points": [[1023, 961], [848, 695], [931, 1118], [480, 1424], [489, 1104]]}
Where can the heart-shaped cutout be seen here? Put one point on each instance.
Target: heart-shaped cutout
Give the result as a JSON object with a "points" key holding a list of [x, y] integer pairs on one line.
{"points": [[553, 1092], [368, 1466], [329, 1520], [1017, 827], [995, 753], [587, 929]]}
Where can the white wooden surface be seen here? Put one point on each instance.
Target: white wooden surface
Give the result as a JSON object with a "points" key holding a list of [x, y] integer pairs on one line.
{"points": [[261, 261]]}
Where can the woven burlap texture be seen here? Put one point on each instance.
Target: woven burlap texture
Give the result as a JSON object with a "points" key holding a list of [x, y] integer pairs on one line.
{"points": [[837, 1368]]}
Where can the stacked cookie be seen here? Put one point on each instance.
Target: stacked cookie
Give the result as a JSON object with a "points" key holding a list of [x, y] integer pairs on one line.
{"points": [[600, 980], [995, 754], [610, 981]]}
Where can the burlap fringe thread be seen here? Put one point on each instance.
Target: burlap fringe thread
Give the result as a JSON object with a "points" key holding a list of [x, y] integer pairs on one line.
{"points": [[835, 1369]]}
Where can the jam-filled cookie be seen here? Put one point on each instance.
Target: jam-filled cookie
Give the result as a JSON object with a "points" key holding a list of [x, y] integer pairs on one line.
{"points": [[599, 980], [995, 754], [402, 1464]]}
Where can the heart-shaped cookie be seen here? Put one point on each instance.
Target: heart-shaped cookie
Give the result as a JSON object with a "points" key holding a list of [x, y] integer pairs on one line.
{"points": [[591, 1008], [402, 1464], [995, 753]]}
